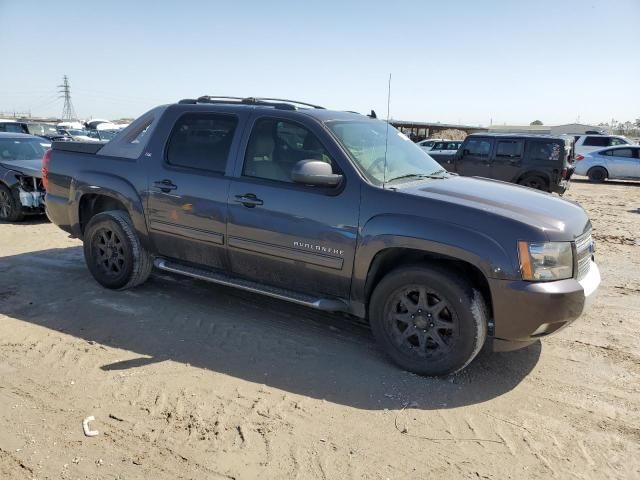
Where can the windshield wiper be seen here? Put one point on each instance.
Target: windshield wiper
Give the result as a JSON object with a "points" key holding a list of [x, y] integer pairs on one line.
{"points": [[437, 175]]}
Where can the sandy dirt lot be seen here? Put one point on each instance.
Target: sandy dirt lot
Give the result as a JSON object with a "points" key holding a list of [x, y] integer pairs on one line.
{"points": [[190, 380]]}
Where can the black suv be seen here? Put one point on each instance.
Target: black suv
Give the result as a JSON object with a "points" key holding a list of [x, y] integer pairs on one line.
{"points": [[542, 162], [333, 210]]}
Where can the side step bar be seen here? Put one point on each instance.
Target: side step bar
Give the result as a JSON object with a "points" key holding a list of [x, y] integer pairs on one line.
{"points": [[325, 304]]}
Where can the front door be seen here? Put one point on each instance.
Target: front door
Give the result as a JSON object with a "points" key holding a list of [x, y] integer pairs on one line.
{"points": [[475, 158], [187, 201], [623, 162], [285, 234]]}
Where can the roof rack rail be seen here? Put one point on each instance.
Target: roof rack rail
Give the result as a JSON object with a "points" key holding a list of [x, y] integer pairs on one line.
{"points": [[269, 102]]}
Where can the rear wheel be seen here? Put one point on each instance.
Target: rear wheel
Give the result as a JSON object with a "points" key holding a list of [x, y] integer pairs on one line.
{"points": [[10, 208], [597, 175], [428, 320], [113, 252], [534, 181]]}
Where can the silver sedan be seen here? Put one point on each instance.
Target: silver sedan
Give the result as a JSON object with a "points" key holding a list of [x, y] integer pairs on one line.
{"points": [[621, 162]]}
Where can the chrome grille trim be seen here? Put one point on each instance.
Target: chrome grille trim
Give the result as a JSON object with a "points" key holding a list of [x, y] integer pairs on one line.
{"points": [[583, 253]]}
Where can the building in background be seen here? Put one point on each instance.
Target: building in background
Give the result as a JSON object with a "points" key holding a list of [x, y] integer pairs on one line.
{"points": [[566, 129]]}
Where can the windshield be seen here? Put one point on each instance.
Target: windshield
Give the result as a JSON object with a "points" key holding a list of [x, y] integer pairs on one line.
{"points": [[366, 142], [21, 149], [107, 134]]}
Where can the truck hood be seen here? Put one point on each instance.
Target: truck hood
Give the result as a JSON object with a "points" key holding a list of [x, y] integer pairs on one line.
{"points": [[31, 168], [558, 219]]}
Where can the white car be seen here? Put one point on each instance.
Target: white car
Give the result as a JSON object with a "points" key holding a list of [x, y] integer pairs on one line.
{"points": [[621, 162], [430, 142], [589, 143]]}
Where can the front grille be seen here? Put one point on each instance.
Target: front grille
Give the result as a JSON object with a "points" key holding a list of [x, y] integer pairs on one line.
{"points": [[584, 251]]}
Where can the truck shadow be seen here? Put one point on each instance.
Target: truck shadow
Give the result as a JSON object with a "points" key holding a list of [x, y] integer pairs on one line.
{"points": [[292, 348]]}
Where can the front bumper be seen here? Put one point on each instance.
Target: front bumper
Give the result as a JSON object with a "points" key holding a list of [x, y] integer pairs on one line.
{"points": [[31, 202], [560, 187], [525, 311]]}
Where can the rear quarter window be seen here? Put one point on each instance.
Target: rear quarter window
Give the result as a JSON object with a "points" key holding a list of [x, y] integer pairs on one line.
{"points": [[543, 151], [596, 141]]}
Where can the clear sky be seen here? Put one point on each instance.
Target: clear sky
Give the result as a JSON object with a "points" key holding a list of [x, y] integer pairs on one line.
{"points": [[451, 61]]}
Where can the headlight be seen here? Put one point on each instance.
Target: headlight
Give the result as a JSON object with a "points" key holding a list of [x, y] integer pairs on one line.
{"points": [[546, 261]]}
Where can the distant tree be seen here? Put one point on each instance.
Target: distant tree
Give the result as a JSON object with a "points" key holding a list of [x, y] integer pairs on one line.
{"points": [[536, 122], [637, 122]]}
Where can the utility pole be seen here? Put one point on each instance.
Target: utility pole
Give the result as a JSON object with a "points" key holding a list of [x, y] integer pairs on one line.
{"points": [[68, 113]]}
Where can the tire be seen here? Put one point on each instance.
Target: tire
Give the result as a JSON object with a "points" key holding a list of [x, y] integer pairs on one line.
{"points": [[597, 175], [10, 208], [443, 338], [534, 181], [113, 252]]}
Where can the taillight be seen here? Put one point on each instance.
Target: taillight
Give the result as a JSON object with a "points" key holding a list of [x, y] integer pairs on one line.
{"points": [[579, 157], [564, 173], [45, 168]]}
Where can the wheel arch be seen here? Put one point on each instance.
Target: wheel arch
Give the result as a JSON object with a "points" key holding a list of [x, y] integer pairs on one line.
{"points": [[92, 198], [606, 170], [390, 259], [533, 173], [416, 241]]}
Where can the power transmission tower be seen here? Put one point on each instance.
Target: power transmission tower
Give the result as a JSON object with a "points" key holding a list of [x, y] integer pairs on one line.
{"points": [[68, 113]]}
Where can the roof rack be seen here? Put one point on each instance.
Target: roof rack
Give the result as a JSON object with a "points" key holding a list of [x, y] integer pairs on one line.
{"points": [[279, 103]]}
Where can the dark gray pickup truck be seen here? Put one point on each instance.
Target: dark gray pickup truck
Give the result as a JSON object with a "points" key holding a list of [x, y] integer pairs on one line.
{"points": [[333, 210]]}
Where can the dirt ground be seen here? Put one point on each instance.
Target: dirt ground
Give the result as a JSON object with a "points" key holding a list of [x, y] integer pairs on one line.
{"points": [[191, 380]]}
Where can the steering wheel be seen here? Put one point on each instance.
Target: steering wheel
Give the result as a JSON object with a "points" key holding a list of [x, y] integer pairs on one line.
{"points": [[378, 164]]}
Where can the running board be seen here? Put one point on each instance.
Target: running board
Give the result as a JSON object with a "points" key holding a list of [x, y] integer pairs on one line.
{"points": [[325, 304]]}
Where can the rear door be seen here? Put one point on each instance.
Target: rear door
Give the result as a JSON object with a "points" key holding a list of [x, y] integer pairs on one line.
{"points": [[507, 160], [286, 234], [475, 157], [594, 142], [187, 200]]}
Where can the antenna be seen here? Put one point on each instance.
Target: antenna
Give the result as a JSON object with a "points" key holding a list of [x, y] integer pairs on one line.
{"points": [[68, 113], [386, 137]]}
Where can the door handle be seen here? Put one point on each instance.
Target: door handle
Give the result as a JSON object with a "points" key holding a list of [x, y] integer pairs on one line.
{"points": [[165, 185], [249, 200]]}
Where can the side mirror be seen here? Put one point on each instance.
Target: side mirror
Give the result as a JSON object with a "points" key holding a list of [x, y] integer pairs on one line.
{"points": [[315, 172]]}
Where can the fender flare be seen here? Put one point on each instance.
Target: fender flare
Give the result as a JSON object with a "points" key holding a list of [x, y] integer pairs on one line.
{"points": [[434, 237], [119, 189], [535, 173]]}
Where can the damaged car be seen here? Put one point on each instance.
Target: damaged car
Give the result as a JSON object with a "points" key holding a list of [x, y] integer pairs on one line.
{"points": [[21, 188]]}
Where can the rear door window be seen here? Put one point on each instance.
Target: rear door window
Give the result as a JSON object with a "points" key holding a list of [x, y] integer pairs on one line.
{"points": [[622, 152], [510, 149], [201, 141], [543, 151], [596, 141]]}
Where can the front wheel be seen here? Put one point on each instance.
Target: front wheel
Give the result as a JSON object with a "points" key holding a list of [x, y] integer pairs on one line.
{"points": [[10, 208], [428, 320], [113, 252]]}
